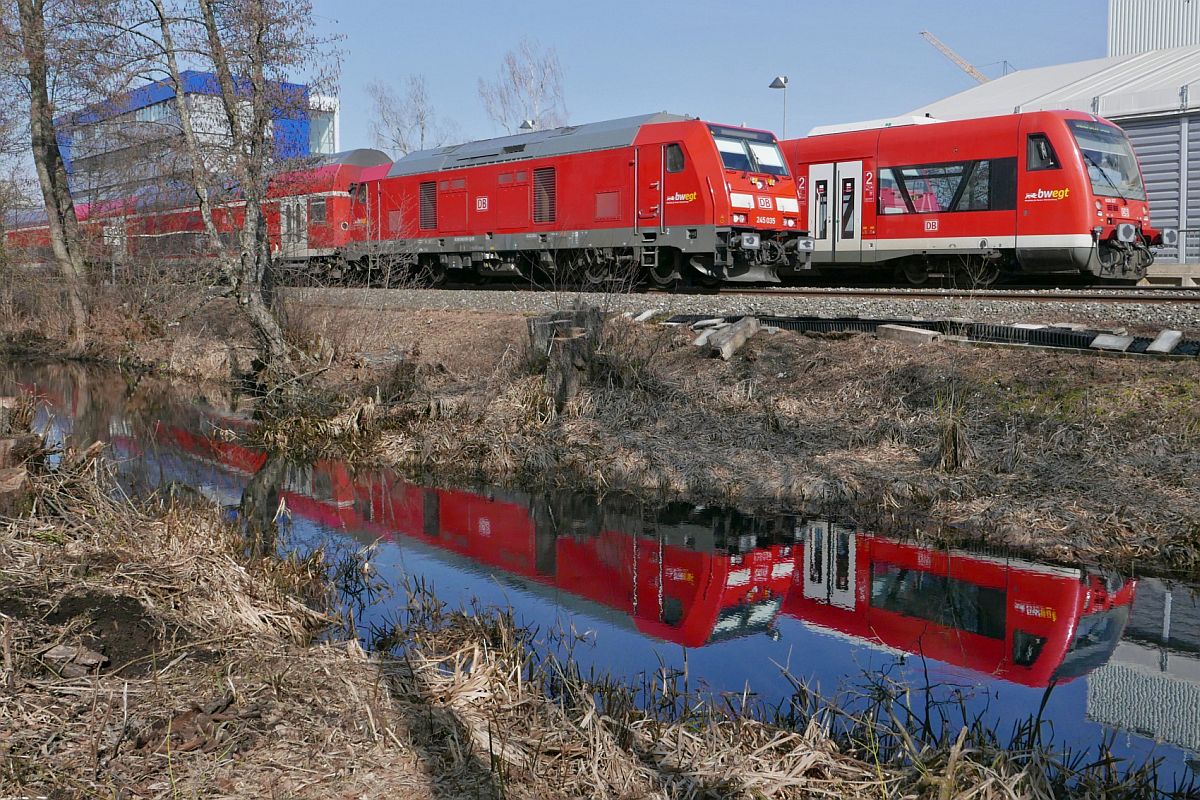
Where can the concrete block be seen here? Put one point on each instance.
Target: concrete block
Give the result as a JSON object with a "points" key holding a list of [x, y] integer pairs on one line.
{"points": [[1115, 344], [1070, 326], [726, 341], [1165, 342], [703, 338], [645, 315], [707, 323], [903, 333], [1028, 326]]}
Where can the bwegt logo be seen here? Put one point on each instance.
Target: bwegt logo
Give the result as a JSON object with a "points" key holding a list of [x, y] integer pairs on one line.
{"points": [[1048, 194], [683, 197]]}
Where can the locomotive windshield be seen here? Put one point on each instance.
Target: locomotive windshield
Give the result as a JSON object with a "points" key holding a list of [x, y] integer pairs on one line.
{"points": [[748, 151], [1108, 159]]}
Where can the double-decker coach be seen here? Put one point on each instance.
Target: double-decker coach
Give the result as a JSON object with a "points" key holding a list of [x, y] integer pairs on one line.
{"points": [[1033, 193], [659, 196]]}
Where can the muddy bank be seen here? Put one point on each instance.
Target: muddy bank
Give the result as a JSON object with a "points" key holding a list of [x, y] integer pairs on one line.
{"points": [[1071, 456]]}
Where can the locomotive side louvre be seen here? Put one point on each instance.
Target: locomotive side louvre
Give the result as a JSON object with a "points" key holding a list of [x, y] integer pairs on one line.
{"points": [[955, 196], [649, 193]]}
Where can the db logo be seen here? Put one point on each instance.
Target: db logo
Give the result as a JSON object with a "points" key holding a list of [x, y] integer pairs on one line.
{"points": [[764, 202], [481, 203], [931, 225]]}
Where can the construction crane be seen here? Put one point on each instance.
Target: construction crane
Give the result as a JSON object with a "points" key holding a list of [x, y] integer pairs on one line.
{"points": [[961, 62]]}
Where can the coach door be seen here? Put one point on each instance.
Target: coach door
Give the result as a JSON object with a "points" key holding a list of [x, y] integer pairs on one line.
{"points": [[835, 210], [293, 227]]}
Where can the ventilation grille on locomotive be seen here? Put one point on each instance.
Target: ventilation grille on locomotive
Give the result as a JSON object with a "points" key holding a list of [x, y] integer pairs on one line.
{"points": [[429, 205], [545, 195]]}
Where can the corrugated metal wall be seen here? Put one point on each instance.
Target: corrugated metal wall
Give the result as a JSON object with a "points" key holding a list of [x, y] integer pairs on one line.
{"points": [[1174, 198], [1137, 698], [1135, 26]]}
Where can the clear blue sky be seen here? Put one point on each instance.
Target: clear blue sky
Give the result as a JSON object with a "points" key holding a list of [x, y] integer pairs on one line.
{"points": [[847, 60]]}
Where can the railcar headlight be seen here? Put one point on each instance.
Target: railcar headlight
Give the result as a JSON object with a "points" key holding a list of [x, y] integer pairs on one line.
{"points": [[1099, 206]]}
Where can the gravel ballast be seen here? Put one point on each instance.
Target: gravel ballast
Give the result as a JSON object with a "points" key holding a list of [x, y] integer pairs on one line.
{"points": [[1183, 315]]}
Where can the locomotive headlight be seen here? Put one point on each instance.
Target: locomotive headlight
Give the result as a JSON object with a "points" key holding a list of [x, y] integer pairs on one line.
{"points": [[789, 223], [739, 218]]}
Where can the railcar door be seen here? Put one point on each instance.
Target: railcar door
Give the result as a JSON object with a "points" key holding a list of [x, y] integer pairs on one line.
{"points": [[835, 197], [649, 187], [293, 227]]}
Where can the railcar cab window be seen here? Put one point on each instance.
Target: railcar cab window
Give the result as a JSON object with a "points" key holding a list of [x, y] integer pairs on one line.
{"points": [[674, 158], [748, 151], [1108, 159], [1040, 153], [316, 209]]}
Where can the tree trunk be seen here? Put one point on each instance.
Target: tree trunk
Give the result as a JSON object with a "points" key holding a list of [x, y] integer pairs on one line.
{"points": [[65, 239], [198, 169], [252, 276]]}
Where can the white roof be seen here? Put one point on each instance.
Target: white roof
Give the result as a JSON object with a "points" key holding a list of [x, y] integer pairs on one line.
{"points": [[865, 125], [1146, 83]]}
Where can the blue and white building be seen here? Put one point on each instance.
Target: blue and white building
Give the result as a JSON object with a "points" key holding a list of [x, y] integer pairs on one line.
{"points": [[132, 142]]}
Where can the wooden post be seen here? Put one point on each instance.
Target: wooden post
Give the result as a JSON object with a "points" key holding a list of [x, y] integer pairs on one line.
{"points": [[726, 341]]}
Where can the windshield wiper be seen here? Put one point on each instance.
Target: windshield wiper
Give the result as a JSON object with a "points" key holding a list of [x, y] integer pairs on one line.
{"points": [[1104, 173]]}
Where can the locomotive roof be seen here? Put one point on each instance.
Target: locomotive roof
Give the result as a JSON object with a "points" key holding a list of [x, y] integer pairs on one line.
{"points": [[535, 144], [359, 157]]}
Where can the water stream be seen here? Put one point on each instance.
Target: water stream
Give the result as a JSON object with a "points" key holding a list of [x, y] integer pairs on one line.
{"points": [[738, 599]]}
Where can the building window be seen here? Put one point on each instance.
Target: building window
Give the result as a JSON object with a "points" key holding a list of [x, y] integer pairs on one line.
{"points": [[1040, 153], [674, 158], [545, 195], [428, 216]]}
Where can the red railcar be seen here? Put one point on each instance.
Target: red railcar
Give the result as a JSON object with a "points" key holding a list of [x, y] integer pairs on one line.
{"points": [[1025, 622], [659, 195], [1032, 193]]}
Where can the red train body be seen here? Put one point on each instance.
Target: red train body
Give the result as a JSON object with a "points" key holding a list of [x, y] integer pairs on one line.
{"points": [[1051, 191], [1027, 623], [660, 197], [662, 194]]}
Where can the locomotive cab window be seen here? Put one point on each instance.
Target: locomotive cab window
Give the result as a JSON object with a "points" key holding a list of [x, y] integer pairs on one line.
{"points": [[1040, 153], [674, 158], [316, 209]]}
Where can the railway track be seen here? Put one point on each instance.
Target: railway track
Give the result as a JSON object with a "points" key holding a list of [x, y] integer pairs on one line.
{"points": [[1148, 295]]}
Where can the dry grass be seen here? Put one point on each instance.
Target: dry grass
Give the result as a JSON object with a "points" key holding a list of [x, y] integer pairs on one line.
{"points": [[1070, 455]]}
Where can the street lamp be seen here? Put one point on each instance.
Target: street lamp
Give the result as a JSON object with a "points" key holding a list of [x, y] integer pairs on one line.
{"points": [[780, 82]]}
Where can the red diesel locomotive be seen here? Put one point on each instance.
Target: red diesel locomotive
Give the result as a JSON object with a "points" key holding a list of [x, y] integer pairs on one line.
{"points": [[661, 196], [1032, 193]]}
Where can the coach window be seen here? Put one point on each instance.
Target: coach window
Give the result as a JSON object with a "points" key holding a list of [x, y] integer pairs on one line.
{"points": [[1041, 153], [316, 209], [891, 199], [674, 158]]}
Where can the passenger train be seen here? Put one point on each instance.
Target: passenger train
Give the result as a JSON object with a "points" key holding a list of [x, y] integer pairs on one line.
{"points": [[669, 200], [1021, 194]]}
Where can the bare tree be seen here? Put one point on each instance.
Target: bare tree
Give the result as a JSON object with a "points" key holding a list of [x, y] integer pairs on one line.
{"points": [[404, 123], [527, 87], [30, 54]]}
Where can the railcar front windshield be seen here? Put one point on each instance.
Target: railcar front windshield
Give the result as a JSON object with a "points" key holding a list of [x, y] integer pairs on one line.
{"points": [[1108, 159], [748, 151]]}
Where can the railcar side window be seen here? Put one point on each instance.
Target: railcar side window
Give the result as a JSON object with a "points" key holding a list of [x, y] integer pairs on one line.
{"points": [[674, 158], [545, 195], [428, 203], [316, 209], [1040, 153], [984, 185]]}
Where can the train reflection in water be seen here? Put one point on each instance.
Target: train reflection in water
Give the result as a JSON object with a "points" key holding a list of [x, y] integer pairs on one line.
{"points": [[693, 576]]}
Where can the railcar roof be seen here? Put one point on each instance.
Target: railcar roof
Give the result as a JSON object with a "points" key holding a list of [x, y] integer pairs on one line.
{"points": [[535, 144]]}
